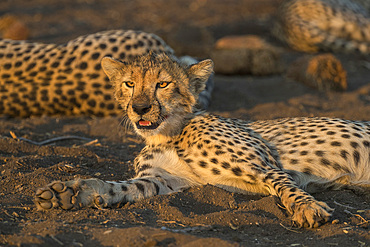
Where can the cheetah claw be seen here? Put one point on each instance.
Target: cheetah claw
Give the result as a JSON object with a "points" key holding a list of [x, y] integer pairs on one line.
{"points": [[312, 214]]}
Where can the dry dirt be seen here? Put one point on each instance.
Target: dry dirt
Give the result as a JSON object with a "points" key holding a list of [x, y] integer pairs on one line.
{"points": [[202, 216]]}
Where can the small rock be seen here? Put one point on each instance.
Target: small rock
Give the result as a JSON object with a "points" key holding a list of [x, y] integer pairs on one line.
{"points": [[247, 54], [322, 72], [336, 221]]}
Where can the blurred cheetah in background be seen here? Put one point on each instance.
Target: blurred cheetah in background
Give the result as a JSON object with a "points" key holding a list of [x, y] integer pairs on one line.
{"points": [[331, 25], [48, 79]]}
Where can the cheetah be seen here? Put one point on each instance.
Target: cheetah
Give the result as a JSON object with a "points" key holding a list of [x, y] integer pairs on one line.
{"points": [[331, 25], [187, 147], [48, 79]]}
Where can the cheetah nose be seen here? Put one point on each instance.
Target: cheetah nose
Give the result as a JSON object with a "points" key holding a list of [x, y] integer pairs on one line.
{"points": [[141, 109]]}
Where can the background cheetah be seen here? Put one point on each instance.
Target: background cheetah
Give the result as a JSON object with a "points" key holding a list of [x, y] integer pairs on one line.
{"points": [[314, 25], [186, 148], [49, 79]]}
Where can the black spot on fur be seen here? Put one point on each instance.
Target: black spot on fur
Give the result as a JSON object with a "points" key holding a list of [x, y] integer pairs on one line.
{"points": [[354, 145], [188, 160], [325, 162], [225, 165], [237, 171], [7, 66], [202, 164], [215, 171], [219, 152], [319, 153], [214, 161], [95, 55], [357, 135], [293, 161], [84, 96], [83, 65], [55, 64], [336, 144]]}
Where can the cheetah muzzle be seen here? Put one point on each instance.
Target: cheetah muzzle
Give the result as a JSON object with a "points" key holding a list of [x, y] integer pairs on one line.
{"points": [[287, 158]]}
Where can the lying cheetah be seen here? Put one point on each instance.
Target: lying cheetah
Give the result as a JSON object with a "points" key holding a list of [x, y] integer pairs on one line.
{"points": [[186, 148], [49, 79], [334, 25]]}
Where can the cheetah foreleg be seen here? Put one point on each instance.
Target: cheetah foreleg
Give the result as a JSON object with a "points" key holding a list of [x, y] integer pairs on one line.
{"points": [[93, 192], [306, 210]]}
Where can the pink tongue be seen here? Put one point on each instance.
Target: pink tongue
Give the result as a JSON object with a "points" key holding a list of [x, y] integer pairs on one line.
{"points": [[145, 123]]}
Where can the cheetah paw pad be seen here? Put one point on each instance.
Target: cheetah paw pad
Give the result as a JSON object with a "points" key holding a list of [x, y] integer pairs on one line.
{"points": [[56, 195]]}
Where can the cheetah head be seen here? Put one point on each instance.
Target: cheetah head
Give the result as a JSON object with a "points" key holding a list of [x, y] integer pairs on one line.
{"points": [[156, 92]]}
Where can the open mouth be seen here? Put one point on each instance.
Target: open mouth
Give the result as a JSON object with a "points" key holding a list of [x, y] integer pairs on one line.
{"points": [[144, 124]]}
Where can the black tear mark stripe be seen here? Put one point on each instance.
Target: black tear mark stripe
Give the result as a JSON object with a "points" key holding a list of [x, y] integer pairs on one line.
{"points": [[356, 157], [156, 188], [140, 187]]}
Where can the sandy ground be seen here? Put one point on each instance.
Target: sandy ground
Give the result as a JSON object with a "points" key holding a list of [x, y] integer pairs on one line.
{"points": [[204, 216]]}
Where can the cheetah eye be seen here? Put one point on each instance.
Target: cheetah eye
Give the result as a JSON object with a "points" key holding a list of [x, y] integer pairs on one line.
{"points": [[163, 84], [129, 84]]}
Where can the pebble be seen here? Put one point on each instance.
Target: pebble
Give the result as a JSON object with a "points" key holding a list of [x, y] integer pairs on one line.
{"points": [[336, 221]]}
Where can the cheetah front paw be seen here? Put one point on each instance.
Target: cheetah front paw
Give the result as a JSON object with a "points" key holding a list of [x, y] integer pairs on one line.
{"points": [[55, 195], [312, 214], [69, 195]]}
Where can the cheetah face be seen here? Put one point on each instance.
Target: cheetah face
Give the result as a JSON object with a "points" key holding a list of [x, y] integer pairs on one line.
{"points": [[156, 92]]}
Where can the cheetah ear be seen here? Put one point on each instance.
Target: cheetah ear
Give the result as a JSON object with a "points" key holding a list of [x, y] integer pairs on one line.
{"points": [[199, 74], [112, 67]]}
